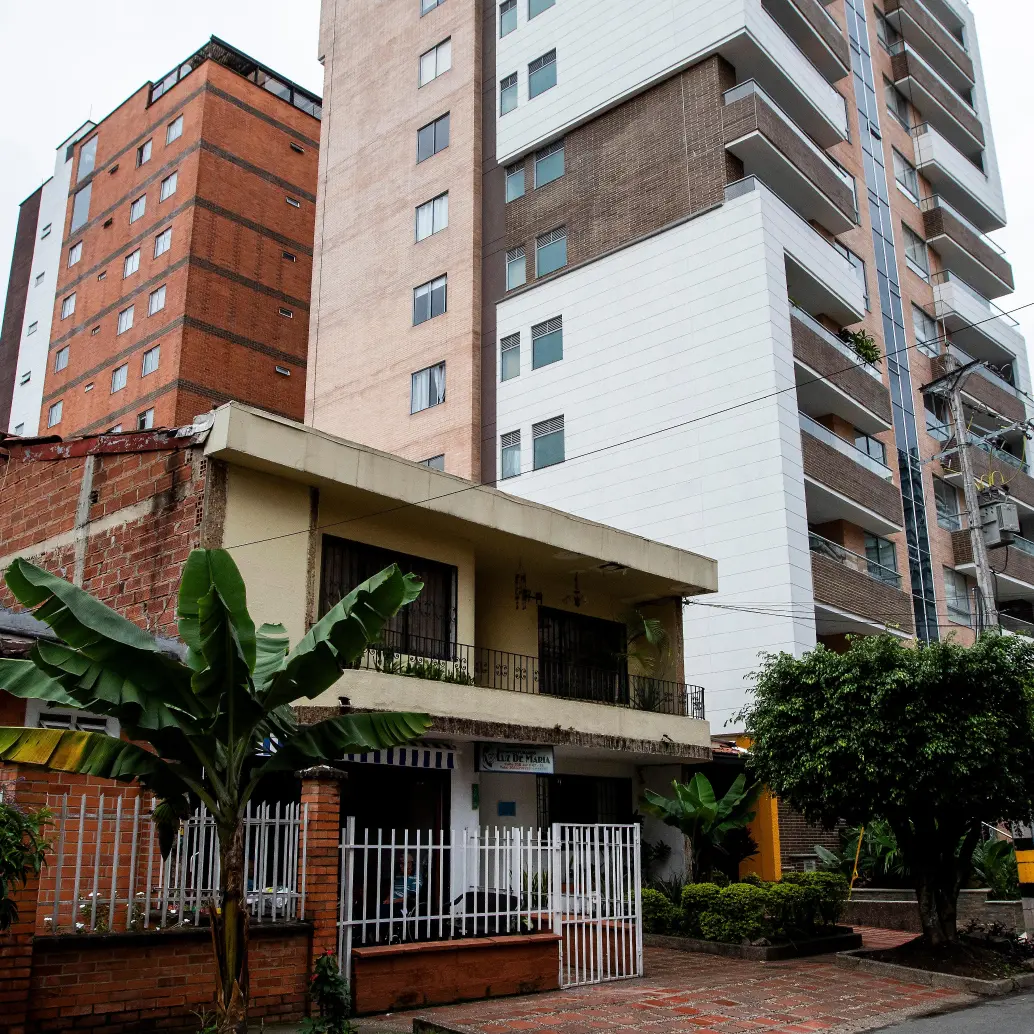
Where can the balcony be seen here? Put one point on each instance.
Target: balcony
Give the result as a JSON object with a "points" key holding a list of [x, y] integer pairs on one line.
{"points": [[816, 33], [958, 180], [853, 594], [843, 483], [933, 41], [979, 326], [1013, 567], [940, 105], [998, 466], [965, 250], [986, 387], [770, 144]]}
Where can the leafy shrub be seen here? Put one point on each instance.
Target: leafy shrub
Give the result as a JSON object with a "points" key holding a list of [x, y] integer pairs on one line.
{"points": [[789, 909], [825, 896], [670, 886], [737, 915], [697, 898], [659, 914], [328, 990], [22, 852], [994, 867]]}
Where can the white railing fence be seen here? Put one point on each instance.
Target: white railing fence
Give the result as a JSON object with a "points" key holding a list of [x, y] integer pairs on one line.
{"points": [[106, 873]]}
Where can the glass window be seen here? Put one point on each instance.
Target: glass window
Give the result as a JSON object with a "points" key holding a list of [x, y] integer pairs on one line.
{"points": [[145, 420], [507, 17], [514, 182], [75, 253], [436, 61], [551, 251], [118, 377], [163, 242], [131, 264], [885, 32], [516, 269], [871, 447], [507, 94], [174, 130], [928, 338], [916, 255], [293, 202], [542, 74], [430, 300], [956, 593], [549, 164], [287, 313], [68, 306], [538, 6], [25, 377], [137, 208], [938, 421], [905, 174], [434, 462], [54, 414], [33, 327], [143, 153], [897, 104], [547, 342], [882, 559], [432, 216], [427, 388], [61, 359], [125, 320], [80, 208], [548, 443], [510, 357], [45, 232], [39, 278], [156, 300], [168, 187], [429, 5], [949, 515], [432, 138], [19, 428], [510, 445], [87, 158], [150, 360]]}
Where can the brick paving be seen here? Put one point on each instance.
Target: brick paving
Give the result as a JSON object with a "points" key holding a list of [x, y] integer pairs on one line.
{"points": [[704, 994]]}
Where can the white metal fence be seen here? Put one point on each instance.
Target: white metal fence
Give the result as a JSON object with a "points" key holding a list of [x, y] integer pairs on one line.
{"points": [[106, 873], [581, 882]]}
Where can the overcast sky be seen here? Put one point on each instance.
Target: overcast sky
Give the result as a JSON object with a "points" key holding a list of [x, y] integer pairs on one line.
{"points": [[62, 62]]}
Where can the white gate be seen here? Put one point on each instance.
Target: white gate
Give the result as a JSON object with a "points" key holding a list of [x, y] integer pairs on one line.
{"points": [[581, 882]]}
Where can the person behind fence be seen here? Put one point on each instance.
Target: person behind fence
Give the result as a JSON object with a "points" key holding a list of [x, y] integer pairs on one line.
{"points": [[404, 888]]}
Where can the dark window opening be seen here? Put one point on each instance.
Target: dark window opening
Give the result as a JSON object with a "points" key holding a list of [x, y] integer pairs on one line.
{"points": [[582, 658]]}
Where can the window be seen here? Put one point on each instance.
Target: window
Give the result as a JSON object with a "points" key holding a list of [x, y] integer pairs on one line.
{"points": [[435, 62], [75, 253], [434, 462], [118, 377], [25, 377], [949, 516], [293, 202], [897, 104], [137, 208], [145, 420], [33, 327], [916, 256], [68, 306], [547, 342], [125, 320], [872, 447], [542, 74], [168, 187], [430, 300], [288, 314], [510, 357], [427, 388], [858, 266], [283, 371], [551, 251], [297, 148], [288, 257], [143, 153], [87, 158], [514, 182], [432, 138], [54, 414], [511, 454], [548, 443], [117, 429], [61, 359], [507, 17], [19, 428], [507, 94], [882, 558], [928, 339], [905, 174], [885, 32], [516, 269], [956, 593], [39, 279], [429, 5], [432, 216], [80, 207], [163, 242], [174, 130], [156, 300], [45, 232], [95, 330], [538, 6], [150, 360], [131, 264], [549, 164], [938, 421]]}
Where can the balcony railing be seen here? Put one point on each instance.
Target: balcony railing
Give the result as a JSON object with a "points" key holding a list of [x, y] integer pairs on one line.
{"points": [[985, 370], [903, 47], [1001, 454], [1023, 545], [993, 311], [924, 127], [852, 561], [1016, 625], [936, 201], [459, 664], [838, 343], [844, 447]]}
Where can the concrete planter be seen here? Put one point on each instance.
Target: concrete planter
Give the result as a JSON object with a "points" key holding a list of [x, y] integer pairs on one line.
{"points": [[842, 938], [971, 985], [896, 909]]}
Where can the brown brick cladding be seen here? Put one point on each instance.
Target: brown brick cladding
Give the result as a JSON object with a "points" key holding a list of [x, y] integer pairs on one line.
{"points": [[831, 34], [824, 359], [986, 391], [1008, 561], [798, 837], [625, 173], [827, 466], [754, 115], [938, 222], [904, 66], [851, 591], [14, 306], [1001, 472], [937, 33]]}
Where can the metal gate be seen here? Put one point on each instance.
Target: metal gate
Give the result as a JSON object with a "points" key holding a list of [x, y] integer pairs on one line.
{"points": [[596, 888]]}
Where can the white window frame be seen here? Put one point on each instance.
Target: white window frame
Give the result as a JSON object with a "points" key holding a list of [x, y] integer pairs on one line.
{"points": [[125, 320], [163, 242], [61, 359], [131, 264], [145, 420], [68, 306], [143, 152], [75, 253], [432, 217], [516, 268], [427, 388], [119, 378], [55, 413], [174, 130], [168, 186], [434, 62], [156, 300], [509, 447], [146, 366], [138, 208]]}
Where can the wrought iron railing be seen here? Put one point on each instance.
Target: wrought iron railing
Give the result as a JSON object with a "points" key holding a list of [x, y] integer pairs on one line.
{"points": [[460, 664]]}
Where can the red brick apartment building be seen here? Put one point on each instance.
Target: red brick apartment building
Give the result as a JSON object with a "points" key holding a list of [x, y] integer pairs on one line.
{"points": [[187, 251]]}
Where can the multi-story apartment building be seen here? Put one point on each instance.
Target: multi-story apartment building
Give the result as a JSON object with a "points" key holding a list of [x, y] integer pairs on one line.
{"points": [[185, 252], [611, 257], [31, 289]]}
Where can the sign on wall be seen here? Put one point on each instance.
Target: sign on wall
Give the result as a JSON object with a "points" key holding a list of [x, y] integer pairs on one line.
{"points": [[515, 757]]}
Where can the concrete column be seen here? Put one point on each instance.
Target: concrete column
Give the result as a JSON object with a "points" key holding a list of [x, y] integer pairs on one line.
{"points": [[321, 792]]}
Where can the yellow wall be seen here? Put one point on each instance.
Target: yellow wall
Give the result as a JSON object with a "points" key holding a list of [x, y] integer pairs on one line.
{"points": [[767, 863]]}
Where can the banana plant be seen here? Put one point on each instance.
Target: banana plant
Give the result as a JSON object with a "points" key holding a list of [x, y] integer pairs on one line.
{"points": [[200, 729], [709, 823]]}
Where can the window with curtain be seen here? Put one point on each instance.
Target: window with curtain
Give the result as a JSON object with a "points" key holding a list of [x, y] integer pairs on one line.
{"points": [[428, 388]]}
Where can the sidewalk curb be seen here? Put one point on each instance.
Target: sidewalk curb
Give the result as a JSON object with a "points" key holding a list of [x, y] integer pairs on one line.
{"points": [[970, 985]]}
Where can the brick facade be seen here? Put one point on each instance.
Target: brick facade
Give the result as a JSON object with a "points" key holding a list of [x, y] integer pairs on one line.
{"points": [[939, 222], [857, 593], [831, 468], [1013, 563], [831, 33], [798, 837], [986, 391], [904, 66], [899, 10]]}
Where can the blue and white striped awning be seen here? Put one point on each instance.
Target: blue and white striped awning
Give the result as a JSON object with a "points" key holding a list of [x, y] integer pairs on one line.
{"points": [[423, 755]]}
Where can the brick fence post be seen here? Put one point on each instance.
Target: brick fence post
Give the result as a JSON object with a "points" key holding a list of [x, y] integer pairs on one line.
{"points": [[321, 796]]}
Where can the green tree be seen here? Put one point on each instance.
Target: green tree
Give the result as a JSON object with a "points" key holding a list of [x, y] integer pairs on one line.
{"points": [[199, 729], [22, 851], [713, 826], [934, 738]]}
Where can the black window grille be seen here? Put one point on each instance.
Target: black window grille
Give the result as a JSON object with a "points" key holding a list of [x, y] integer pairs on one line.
{"points": [[582, 658]]}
